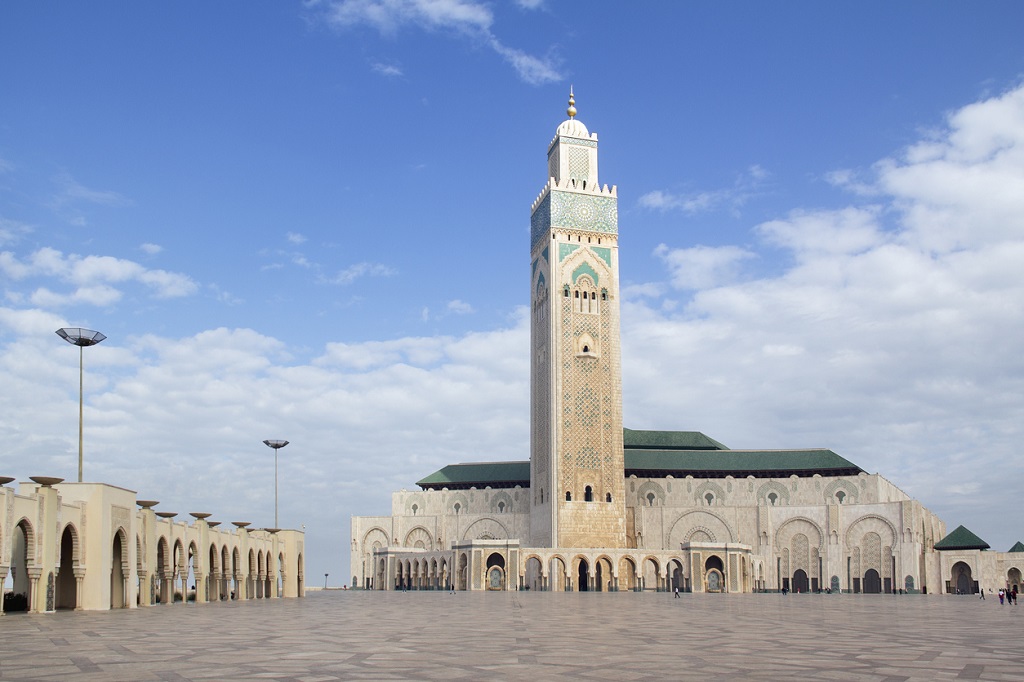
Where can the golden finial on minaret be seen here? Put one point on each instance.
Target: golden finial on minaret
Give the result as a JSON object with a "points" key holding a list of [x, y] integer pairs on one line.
{"points": [[572, 105]]}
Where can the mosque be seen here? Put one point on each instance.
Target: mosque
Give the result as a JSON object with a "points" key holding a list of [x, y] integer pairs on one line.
{"points": [[599, 507]]}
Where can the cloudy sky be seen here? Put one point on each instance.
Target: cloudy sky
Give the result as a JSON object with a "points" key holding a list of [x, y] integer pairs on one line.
{"points": [[311, 220]]}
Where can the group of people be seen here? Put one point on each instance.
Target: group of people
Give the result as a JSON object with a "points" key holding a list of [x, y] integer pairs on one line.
{"points": [[1005, 596]]}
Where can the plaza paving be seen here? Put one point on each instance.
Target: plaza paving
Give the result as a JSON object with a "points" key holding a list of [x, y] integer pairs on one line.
{"points": [[526, 636]]}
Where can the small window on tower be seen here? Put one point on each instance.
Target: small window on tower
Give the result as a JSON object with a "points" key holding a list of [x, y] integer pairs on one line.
{"points": [[568, 496], [608, 497], [588, 494], [650, 499], [415, 509], [710, 499]]}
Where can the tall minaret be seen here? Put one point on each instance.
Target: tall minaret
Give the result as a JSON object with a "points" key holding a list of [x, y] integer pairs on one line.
{"points": [[576, 462]]}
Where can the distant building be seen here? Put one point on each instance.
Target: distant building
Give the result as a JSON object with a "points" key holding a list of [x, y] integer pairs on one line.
{"points": [[600, 507]]}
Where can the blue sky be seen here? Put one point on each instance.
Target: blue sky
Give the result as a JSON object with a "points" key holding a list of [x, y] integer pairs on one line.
{"points": [[310, 220]]}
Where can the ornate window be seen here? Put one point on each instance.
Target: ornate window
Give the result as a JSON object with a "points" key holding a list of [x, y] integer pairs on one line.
{"points": [[588, 494]]}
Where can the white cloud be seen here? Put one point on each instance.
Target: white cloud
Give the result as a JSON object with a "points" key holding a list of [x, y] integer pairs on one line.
{"points": [[72, 191], [389, 70], [702, 267], [747, 184], [464, 17], [151, 249], [460, 307], [354, 272], [295, 238], [12, 230], [92, 276]]}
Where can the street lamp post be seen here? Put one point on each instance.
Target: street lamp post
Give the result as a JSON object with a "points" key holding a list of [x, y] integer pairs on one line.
{"points": [[277, 445], [325, 580], [81, 338]]}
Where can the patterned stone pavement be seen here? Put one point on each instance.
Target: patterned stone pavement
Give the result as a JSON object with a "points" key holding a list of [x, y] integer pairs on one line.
{"points": [[526, 636]]}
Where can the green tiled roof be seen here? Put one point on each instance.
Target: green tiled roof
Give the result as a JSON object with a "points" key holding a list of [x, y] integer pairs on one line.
{"points": [[1019, 547], [494, 474], [961, 538], [668, 440], [656, 454], [738, 463]]}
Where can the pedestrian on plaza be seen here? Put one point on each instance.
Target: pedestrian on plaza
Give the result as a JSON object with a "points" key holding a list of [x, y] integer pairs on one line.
{"points": [[1014, 594], [1002, 595], [982, 593], [677, 592]]}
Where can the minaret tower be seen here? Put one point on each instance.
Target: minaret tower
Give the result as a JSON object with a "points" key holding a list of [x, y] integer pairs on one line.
{"points": [[576, 461]]}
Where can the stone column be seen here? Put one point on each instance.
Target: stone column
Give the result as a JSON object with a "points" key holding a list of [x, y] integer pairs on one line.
{"points": [[3, 578], [36, 604], [145, 598]]}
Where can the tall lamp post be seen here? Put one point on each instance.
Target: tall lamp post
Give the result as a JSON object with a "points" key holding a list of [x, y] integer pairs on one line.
{"points": [[277, 445], [81, 338]]}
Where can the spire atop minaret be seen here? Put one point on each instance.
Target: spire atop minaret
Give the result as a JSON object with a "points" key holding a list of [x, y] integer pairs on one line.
{"points": [[572, 105]]}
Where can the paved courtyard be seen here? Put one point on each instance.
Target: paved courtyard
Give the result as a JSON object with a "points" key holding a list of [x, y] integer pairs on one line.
{"points": [[526, 636]]}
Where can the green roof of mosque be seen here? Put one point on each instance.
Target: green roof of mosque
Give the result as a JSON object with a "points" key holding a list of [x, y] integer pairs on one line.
{"points": [[494, 474], [668, 440], [1019, 547], [737, 463], [657, 454], [961, 538]]}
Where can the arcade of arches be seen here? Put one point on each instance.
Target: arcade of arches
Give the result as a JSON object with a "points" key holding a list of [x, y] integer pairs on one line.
{"points": [[105, 553]]}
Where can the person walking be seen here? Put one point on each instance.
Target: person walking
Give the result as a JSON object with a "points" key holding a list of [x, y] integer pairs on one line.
{"points": [[982, 593], [1002, 595], [677, 591]]}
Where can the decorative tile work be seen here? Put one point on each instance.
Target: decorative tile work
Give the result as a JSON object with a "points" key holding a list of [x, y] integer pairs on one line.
{"points": [[603, 253], [579, 164], [584, 269], [564, 249], [574, 211], [577, 141]]}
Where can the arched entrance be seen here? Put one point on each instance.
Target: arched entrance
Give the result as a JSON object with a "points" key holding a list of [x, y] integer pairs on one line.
{"points": [[627, 574], [556, 571], [119, 557], [583, 576], [534, 579], [463, 571], [603, 578], [714, 574], [21, 544], [495, 572], [962, 582], [676, 576], [1013, 579], [800, 582], [872, 582], [651, 575], [67, 586]]}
